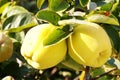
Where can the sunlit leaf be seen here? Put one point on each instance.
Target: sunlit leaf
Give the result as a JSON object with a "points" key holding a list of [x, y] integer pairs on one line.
{"points": [[20, 28], [66, 16], [84, 3], [39, 3], [107, 6], [49, 16], [77, 15], [3, 7], [2, 2], [58, 35], [116, 10], [17, 16], [13, 10], [20, 20], [58, 5], [115, 5], [103, 18]]}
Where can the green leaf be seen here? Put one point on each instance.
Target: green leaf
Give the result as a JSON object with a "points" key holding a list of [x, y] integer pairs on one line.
{"points": [[98, 71], [4, 6], [57, 35], [101, 18], [7, 22], [13, 10], [49, 16], [115, 5], [117, 28], [68, 62], [84, 3], [114, 62], [16, 16], [66, 16], [20, 28], [58, 5], [116, 10], [18, 22], [107, 6], [39, 3], [113, 34], [2, 2]]}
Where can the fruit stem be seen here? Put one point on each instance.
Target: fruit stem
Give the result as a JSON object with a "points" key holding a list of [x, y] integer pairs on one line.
{"points": [[87, 73]]}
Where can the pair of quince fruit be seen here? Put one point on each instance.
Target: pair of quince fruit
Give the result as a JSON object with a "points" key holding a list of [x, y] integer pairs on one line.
{"points": [[88, 45]]}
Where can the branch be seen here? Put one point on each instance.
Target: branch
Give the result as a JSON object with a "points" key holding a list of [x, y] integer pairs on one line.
{"points": [[97, 77], [87, 73]]}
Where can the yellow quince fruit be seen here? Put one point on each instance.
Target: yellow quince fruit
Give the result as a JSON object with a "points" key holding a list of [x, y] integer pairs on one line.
{"points": [[38, 55], [6, 47], [89, 44]]}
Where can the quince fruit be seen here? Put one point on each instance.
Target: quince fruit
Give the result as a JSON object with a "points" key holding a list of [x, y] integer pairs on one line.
{"points": [[38, 55], [89, 44], [6, 47]]}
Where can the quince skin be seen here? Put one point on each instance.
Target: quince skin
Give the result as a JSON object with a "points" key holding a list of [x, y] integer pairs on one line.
{"points": [[89, 44], [38, 55]]}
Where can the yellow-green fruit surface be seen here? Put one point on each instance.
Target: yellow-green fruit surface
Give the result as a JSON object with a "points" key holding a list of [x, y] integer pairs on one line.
{"points": [[6, 47], [89, 45], [38, 55]]}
